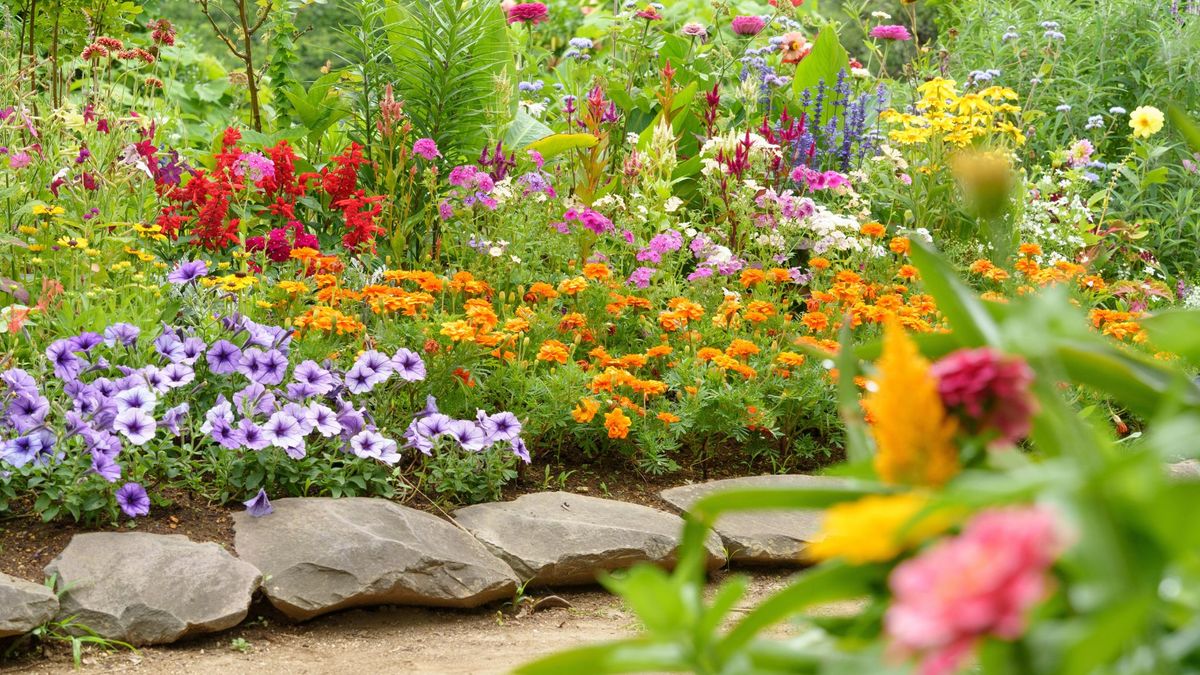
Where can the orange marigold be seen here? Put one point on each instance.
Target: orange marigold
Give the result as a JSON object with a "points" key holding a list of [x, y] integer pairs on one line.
{"points": [[617, 423], [596, 271], [752, 276], [872, 229], [741, 348], [552, 350], [667, 417], [585, 410]]}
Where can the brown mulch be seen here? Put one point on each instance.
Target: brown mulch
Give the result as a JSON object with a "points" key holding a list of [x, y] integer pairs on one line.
{"points": [[27, 545]]}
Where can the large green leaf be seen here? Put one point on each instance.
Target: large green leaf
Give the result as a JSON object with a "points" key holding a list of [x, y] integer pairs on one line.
{"points": [[1186, 125], [1175, 330], [557, 144], [968, 317], [525, 129], [822, 64], [1138, 382], [624, 656]]}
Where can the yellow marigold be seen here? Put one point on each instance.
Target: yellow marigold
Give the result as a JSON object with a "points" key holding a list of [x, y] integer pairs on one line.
{"points": [[617, 423], [1145, 121], [790, 359], [458, 331], [876, 528], [585, 410], [293, 287], [913, 433], [552, 350], [516, 326], [572, 286]]}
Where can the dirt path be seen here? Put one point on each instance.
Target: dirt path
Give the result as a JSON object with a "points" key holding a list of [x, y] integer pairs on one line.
{"points": [[390, 640]]}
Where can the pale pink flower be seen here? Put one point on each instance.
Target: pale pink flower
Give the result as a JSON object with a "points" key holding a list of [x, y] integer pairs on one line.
{"points": [[981, 583]]}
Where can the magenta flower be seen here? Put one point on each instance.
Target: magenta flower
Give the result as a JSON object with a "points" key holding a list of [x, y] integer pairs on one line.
{"points": [[255, 166], [641, 277], [528, 13], [989, 390], [748, 25], [980, 583], [891, 32], [133, 500], [427, 148]]}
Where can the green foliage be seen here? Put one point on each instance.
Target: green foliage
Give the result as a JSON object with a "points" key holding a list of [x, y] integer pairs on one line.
{"points": [[453, 65]]}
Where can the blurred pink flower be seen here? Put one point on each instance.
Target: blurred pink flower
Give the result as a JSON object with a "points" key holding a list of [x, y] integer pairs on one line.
{"points": [[988, 389], [980, 583], [891, 32], [748, 25], [528, 12]]}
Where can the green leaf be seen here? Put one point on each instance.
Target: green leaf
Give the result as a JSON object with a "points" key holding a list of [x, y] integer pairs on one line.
{"points": [[653, 595], [1186, 125], [823, 63], [1138, 382], [967, 315], [557, 144], [624, 656], [525, 129], [1175, 330], [1154, 177], [830, 581]]}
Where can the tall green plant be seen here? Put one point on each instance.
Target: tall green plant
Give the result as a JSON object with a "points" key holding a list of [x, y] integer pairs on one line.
{"points": [[454, 70]]}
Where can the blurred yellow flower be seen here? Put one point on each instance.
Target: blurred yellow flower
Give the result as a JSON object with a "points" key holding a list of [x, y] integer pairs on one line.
{"points": [[68, 242], [27, 229], [913, 433], [1145, 121], [876, 528], [44, 210]]}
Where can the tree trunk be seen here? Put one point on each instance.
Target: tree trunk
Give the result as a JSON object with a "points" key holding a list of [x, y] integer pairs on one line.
{"points": [[251, 80]]}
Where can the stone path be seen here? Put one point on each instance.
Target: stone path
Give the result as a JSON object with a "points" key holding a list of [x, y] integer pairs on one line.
{"points": [[314, 556]]}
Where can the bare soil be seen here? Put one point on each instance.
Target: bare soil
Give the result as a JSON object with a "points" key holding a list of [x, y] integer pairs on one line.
{"points": [[392, 639]]}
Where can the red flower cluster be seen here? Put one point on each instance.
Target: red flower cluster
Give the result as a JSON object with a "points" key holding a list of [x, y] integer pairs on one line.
{"points": [[201, 207]]}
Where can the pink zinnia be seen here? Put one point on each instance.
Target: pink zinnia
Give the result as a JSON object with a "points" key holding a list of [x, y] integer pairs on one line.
{"points": [[891, 32], [988, 389], [427, 148], [528, 12], [748, 25], [981, 583]]}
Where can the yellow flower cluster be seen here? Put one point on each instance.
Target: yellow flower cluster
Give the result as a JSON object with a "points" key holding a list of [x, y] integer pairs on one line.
{"points": [[943, 113], [876, 528]]}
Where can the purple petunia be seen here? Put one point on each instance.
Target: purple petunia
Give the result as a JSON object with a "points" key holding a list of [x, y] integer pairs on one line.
{"points": [[105, 467], [408, 365], [469, 435], [133, 500], [316, 380], [324, 420], [136, 425], [259, 506], [123, 334], [188, 272], [140, 398], [177, 375], [223, 357], [174, 416], [67, 365], [169, 346], [27, 413], [86, 342], [36, 448], [284, 432], [371, 445], [502, 426]]}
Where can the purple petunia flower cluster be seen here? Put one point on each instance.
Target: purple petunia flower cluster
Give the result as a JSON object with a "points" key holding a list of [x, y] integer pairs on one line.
{"points": [[110, 407], [475, 435]]}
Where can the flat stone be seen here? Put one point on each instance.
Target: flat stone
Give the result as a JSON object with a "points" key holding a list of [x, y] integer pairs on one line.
{"points": [[759, 537], [560, 538], [24, 605], [320, 555], [1188, 469], [148, 589]]}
